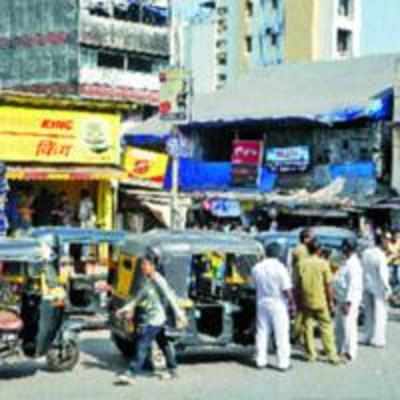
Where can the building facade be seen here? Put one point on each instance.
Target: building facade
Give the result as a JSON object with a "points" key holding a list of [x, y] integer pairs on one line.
{"points": [[220, 40], [223, 39], [318, 30], [95, 49]]}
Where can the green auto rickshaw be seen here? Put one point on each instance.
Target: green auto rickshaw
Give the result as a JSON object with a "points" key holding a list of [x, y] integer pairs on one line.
{"points": [[210, 274]]}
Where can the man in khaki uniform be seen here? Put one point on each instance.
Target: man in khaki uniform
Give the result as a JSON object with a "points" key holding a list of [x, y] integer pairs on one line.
{"points": [[316, 299], [299, 253]]}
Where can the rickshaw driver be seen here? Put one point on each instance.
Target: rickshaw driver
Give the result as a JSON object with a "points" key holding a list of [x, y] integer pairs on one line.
{"points": [[149, 313]]}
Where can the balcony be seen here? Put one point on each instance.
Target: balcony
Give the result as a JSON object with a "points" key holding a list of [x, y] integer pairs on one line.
{"points": [[123, 35], [112, 83]]}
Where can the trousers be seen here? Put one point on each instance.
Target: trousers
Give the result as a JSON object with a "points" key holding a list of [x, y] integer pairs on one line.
{"points": [[322, 318], [375, 319], [346, 329], [272, 318], [147, 335]]}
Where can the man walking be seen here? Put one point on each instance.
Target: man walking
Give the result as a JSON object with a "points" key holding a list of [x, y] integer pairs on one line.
{"points": [[315, 279], [348, 290], [150, 318], [274, 299], [376, 290]]}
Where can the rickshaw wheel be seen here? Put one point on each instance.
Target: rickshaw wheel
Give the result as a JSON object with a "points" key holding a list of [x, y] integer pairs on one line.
{"points": [[63, 359], [126, 347]]}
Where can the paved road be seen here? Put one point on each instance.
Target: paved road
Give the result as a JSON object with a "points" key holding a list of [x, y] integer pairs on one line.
{"points": [[375, 375]]}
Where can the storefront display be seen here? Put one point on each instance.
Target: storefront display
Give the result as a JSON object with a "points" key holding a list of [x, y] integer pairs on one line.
{"points": [[55, 153]]}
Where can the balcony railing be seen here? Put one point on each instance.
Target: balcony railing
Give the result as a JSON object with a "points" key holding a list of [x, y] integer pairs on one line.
{"points": [[124, 35]]}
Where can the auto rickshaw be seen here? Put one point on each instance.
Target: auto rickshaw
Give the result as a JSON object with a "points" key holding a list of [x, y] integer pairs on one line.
{"points": [[32, 318], [210, 274], [86, 278]]}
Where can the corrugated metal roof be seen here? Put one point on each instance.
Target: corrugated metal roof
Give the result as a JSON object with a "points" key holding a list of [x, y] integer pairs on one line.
{"points": [[316, 91], [304, 91]]}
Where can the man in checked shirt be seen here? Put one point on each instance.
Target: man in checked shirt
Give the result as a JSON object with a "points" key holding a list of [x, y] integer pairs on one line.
{"points": [[149, 310]]}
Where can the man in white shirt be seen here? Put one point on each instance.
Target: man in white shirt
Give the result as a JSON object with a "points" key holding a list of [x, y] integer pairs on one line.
{"points": [[348, 292], [376, 290], [274, 298]]}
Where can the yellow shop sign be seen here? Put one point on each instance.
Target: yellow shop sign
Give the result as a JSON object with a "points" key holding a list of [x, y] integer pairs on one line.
{"points": [[58, 136]]}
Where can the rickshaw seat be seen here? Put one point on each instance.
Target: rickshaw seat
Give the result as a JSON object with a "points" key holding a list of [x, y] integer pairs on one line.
{"points": [[10, 322]]}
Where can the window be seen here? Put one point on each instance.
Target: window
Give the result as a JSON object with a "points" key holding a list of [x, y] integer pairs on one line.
{"points": [[345, 8], [274, 39], [344, 39], [275, 4], [110, 60], [222, 77], [221, 11], [250, 8], [249, 44], [222, 58], [139, 64]]}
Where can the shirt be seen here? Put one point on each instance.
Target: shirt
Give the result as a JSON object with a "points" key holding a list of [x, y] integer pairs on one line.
{"points": [[86, 211], [299, 253], [376, 271], [271, 279], [314, 275], [349, 282], [149, 302]]}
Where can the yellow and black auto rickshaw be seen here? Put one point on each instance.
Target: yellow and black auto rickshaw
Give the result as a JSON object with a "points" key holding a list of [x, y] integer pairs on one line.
{"points": [[32, 318], [209, 272]]}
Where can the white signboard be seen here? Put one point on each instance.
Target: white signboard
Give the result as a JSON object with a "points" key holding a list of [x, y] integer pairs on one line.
{"points": [[287, 159]]}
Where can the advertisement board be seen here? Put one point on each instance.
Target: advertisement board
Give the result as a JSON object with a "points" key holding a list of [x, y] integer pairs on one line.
{"points": [[174, 91], [146, 165], [246, 161], [50, 136], [288, 159]]}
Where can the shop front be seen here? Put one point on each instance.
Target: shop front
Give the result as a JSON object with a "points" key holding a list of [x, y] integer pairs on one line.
{"points": [[54, 157]]}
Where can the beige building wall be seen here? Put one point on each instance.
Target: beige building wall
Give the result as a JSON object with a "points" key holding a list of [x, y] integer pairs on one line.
{"points": [[301, 40], [312, 30]]}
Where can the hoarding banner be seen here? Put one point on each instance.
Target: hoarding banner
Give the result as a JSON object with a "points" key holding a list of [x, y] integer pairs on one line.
{"points": [[173, 94], [247, 152], [49, 136], [287, 159], [146, 165], [246, 161]]}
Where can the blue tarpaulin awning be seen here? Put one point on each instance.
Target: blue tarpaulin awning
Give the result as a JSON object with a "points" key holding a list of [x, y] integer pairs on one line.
{"points": [[197, 175]]}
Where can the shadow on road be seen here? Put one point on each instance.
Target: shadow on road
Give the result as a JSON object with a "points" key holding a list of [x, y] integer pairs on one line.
{"points": [[18, 370], [104, 355]]}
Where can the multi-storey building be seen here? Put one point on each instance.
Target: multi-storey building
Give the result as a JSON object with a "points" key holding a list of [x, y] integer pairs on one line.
{"points": [[107, 49], [322, 29], [222, 39]]}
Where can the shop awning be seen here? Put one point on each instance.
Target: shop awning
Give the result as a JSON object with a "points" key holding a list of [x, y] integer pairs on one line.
{"points": [[151, 131], [56, 173]]}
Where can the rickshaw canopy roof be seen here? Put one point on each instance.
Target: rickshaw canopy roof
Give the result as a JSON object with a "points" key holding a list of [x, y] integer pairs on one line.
{"points": [[191, 242], [79, 235], [21, 250]]}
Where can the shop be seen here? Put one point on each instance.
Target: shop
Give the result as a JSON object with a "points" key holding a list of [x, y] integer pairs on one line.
{"points": [[56, 150]]}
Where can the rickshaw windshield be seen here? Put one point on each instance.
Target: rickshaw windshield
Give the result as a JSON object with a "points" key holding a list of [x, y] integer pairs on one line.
{"points": [[244, 263]]}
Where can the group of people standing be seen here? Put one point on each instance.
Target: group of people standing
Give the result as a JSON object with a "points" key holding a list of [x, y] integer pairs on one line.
{"points": [[27, 208], [318, 297]]}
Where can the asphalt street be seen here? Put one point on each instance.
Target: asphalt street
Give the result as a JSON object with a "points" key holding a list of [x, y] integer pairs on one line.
{"points": [[375, 375]]}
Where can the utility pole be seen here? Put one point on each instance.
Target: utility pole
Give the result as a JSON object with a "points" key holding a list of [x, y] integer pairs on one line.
{"points": [[174, 62]]}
